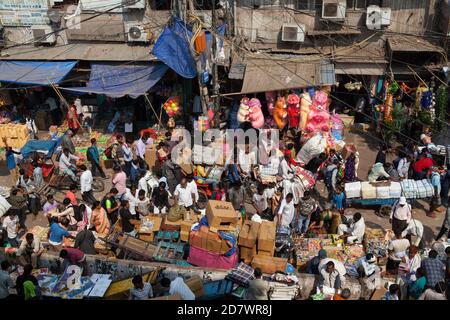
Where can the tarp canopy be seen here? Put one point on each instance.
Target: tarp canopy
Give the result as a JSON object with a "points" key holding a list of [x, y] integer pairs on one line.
{"points": [[172, 47], [35, 72], [117, 80], [46, 147]]}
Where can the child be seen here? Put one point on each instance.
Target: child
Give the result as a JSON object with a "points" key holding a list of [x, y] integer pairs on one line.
{"points": [[218, 193], [161, 153], [338, 199], [142, 203]]}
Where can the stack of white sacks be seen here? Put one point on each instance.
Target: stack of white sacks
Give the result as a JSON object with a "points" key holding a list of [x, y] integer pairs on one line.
{"points": [[410, 189]]}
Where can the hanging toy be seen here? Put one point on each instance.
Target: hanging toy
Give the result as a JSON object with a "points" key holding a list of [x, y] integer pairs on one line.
{"points": [[270, 98], [388, 108], [318, 117], [405, 88], [256, 116], [244, 110], [393, 87], [304, 109], [280, 113], [293, 110], [172, 106], [311, 91]]}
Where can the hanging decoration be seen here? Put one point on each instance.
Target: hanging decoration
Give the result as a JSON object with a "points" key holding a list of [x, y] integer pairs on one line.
{"points": [[256, 116], [280, 113], [441, 107], [244, 110], [318, 116], [172, 106], [293, 109], [388, 108]]}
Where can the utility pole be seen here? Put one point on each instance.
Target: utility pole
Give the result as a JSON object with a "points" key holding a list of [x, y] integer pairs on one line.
{"points": [[202, 88], [214, 60]]}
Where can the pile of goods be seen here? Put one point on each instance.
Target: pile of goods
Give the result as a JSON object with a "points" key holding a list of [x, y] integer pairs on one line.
{"points": [[16, 135], [410, 189]]}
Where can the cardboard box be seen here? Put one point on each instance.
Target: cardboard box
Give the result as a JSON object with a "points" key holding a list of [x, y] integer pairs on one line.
{"points": [[269, 265], [221, 215], [171, 297], [249, 234], [267, 253], [207, 240], [195, 283], [150, 157], [184, 236], [378, 294], [247, 254], [266, 236]]}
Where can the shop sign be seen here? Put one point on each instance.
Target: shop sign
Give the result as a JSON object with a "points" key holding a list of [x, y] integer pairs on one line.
{"points": [[22, 13]]}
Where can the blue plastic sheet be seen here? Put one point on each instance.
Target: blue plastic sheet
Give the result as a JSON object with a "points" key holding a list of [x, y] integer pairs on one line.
{"points": [[117, 80], [172, 47], [35, 72], [43, 146]]}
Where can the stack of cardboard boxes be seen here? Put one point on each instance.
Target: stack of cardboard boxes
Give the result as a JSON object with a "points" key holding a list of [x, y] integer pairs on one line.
{"points": [[221, 217], [257, 246]]}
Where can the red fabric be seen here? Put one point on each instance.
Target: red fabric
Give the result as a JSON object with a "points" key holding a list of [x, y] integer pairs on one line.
{"points": [[74, 255], [72, 197], [293, 115], [206, 259], [47, 169], [423, 164], [72, 118]]}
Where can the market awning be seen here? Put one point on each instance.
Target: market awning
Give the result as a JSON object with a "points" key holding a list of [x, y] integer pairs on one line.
{"points": [[117, 80], [407, 43], [35, 72], [363, 69], [262, 75]]}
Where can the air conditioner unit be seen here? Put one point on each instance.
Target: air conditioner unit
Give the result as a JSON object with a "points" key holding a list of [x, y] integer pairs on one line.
{"points": [[334, 9], [373, 18], [293, 33], [385, 16], [136, 33], [377, 17], [134, 4], [43, 34]]}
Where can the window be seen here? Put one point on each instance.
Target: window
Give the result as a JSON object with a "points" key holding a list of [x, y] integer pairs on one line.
{"points": [[361, 4], [307, 5]]}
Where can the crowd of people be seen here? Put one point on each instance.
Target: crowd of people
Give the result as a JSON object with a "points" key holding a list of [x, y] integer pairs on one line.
{"points": [[138, 190]]}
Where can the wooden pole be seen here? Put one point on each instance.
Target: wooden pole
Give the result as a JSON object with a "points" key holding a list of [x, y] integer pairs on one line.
{"points": [[151, 106]]}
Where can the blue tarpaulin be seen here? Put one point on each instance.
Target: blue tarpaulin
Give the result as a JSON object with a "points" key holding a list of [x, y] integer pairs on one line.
{"points": [[117, 80], [42, 146], [172, 47], [35, 72]]}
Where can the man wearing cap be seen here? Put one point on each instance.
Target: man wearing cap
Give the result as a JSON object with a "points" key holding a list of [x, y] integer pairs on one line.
{"points": [[400, 215]]}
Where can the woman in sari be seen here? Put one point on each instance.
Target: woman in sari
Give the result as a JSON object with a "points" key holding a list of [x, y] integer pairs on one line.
{"points": [[99, 220], [72, 118]]}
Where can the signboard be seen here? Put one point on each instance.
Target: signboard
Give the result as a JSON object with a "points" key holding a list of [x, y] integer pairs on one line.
{"points": [[21, 13]]}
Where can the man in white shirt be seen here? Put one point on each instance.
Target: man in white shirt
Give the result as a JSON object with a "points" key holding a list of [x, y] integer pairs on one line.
{"points": [[400, 215], [354, 233], [191, 184], [66, 166], [414, 228], [287, 211], [11, 224], [246, 160], [141, 145], [143, 182], [286, 170], [184, 195], [77, 103], [86, 185], [260, 203]]}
